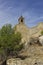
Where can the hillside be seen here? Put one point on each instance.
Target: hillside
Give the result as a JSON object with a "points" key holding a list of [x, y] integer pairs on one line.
{"points": [[31, 54], [34, 57]]}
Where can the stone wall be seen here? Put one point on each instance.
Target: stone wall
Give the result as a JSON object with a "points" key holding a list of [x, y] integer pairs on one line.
{"points": [[29, 32]]}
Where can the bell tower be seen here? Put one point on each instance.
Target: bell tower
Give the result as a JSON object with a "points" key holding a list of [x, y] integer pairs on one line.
{"points": [[21, 20]]}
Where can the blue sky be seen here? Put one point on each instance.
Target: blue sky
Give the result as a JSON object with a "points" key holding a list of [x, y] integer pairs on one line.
{"points": [[11, 10]]}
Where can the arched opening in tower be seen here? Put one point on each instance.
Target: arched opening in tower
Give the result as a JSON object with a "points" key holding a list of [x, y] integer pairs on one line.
{"points": [[22, 20]]}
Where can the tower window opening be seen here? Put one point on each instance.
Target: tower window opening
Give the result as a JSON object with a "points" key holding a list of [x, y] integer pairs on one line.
{"points": [[21, 20]]}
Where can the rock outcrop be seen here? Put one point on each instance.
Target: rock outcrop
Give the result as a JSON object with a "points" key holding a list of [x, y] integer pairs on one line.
{"points": [[35, 57], [41, 40], [33, 45]]}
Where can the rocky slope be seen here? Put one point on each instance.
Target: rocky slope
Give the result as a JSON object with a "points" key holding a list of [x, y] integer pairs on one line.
{"points": [[33, 53], [35, 57]]}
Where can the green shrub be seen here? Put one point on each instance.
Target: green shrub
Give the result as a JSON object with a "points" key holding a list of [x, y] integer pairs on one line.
{"points": [[9, 40]]}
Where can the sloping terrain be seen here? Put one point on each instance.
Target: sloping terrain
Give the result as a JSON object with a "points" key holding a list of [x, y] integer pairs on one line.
{"points": [[33, 53], [34, 57]]}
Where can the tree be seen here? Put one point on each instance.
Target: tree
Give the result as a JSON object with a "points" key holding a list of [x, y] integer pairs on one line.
{"points": [[9, 40]]}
